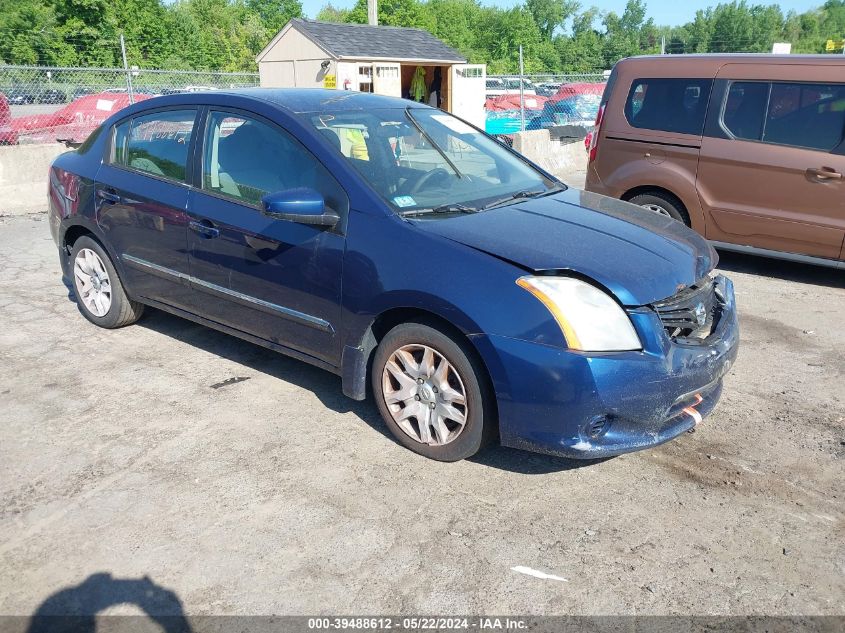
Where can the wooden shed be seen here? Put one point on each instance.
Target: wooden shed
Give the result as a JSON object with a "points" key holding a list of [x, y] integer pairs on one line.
{"points": [[369, 58]]}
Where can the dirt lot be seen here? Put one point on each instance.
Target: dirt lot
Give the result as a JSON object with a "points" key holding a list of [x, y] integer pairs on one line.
{"points": [[127, 453]]}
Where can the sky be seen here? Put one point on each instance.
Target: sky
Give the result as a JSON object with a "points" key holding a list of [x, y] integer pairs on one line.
{"points": [[664, 12]]}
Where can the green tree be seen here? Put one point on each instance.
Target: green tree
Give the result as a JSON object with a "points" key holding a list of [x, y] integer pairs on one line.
{"points": [[410, 13], [330, 13], [29, 34], [89, 28], [551, 14], [274, 14], [145, 26]]}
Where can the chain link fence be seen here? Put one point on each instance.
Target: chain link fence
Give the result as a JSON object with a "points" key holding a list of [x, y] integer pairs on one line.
{"points": [[565, 104], [42, 104]]}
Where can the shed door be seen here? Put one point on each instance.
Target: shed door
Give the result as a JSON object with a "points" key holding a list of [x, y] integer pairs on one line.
{"points": [[387, 80], [468, 89]]}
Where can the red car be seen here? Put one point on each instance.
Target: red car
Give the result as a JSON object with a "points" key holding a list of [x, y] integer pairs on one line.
{"points": [[7, 135], [74, 122]]}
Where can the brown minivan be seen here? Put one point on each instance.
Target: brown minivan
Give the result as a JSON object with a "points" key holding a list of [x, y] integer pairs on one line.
{"points": [[748, 150]]}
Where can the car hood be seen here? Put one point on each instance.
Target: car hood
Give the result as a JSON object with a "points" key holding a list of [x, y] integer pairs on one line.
{"points": [[640, 256]]}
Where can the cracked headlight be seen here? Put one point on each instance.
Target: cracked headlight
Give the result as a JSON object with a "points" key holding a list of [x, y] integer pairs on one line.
{"points": [[591, 321]]}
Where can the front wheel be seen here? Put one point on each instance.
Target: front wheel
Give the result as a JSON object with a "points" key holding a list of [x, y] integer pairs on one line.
{"points": [[97, 288], [430, 390]]}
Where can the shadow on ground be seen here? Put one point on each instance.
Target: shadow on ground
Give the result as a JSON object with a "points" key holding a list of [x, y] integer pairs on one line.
{"points": [[781, 269], [74, 609], [327, 388]]}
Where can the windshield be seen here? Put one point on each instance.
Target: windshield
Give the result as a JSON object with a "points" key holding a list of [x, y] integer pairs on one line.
{"points": [[424, 158]]}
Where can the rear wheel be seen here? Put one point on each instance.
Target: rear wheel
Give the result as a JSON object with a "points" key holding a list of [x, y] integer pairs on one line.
{"points": [[430, 390], [664, 204], [97, 288]]}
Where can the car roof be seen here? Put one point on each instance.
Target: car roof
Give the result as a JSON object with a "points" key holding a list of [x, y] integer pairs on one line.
{"points": [[718, 59], [302, 100]]}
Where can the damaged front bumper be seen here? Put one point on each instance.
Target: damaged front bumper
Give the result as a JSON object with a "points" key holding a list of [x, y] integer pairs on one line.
{"points": [[595, 405]]}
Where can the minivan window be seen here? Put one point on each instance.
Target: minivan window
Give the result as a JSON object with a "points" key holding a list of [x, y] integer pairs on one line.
{"points": [[744, 109], [156, 144], [806, 115], [668, 105], [245, 159]]}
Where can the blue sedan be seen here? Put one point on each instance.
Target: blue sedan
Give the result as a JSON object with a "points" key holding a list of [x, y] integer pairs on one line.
{"points": [[473, 295]]}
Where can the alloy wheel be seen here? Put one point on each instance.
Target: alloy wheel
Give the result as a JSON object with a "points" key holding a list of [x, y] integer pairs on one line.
{"points": [[92, 282], [656, 208], [425, 394]]}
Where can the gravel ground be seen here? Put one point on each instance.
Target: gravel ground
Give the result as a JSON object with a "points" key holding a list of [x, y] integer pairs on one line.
{"points": [[128, 453]]}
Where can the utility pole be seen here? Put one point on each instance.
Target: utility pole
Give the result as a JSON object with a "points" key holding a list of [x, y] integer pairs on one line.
{"points": [[663, 45], [126, 68], [372, 12], [521, 92]]}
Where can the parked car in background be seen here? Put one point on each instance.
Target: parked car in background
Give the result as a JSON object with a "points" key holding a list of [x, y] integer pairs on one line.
{"points": [[494, 87], [51, 95], [21, 95], [199, 88], [476, 295], [547, 88], [572, 104], [497, 86], [512, 86], [749, 150], [81, 91], [8, 136], [503, 113], [72, 123]]}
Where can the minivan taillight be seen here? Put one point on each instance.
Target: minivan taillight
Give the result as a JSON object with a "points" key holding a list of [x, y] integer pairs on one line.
{"points": [[594, 139]]}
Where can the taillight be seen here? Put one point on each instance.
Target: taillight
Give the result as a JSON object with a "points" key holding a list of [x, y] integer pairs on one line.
{"points": [[594, 139]]}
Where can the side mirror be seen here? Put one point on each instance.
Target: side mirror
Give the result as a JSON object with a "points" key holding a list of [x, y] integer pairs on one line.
{"points": [[303, 205]]}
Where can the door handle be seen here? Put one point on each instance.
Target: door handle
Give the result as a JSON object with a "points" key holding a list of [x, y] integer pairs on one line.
{"points": [[107, 196], [823, 174], [205, 228]]}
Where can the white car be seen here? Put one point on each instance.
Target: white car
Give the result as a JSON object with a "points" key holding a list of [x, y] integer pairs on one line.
{"points": [[508, 86]]}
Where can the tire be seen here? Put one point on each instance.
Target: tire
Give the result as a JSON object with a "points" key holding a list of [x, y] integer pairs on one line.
{"points": [[663, 203], [449, 439], [102, 301]]}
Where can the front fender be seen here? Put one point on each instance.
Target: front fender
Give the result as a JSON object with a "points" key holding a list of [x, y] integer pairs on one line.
{"points": [[391, 264]]}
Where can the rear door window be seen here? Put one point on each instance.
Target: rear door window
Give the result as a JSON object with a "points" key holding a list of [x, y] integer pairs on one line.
{"points": [[803, 115], [806, 115], [745, 109], [155, 144], [668, 105]]}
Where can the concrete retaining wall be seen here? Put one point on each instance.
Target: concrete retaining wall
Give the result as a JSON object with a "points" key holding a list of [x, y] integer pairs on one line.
{"points": [[23, 177], [23, 168], [568, 162]]}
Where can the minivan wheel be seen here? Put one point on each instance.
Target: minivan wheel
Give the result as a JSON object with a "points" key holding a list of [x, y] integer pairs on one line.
{"points": [[664, 204], [97, 288], [430, 391]]}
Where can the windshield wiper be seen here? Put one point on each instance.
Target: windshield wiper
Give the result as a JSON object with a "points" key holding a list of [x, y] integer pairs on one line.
{"points": [[452, 207], [511, 198], [431, 142], [522, 194]]}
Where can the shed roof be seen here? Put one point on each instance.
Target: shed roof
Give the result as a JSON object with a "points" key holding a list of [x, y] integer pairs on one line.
{"points": [[364, 41]]}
